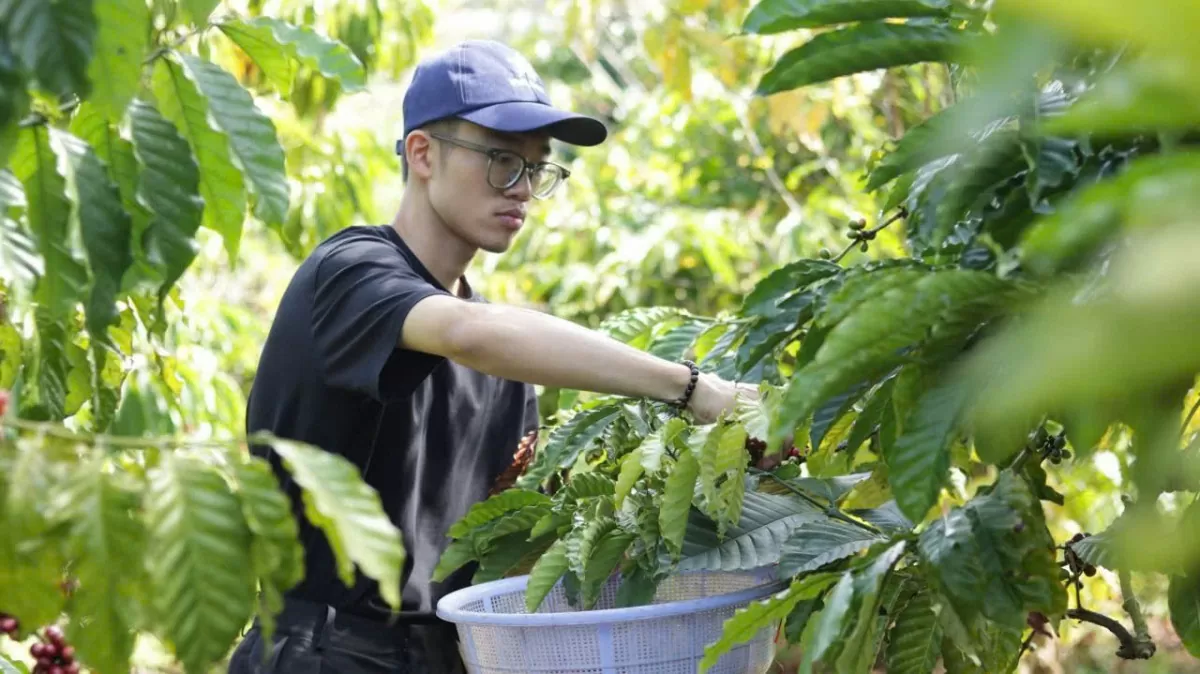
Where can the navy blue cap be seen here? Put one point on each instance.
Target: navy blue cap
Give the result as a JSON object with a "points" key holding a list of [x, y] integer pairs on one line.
{"points": [[490, 84]]}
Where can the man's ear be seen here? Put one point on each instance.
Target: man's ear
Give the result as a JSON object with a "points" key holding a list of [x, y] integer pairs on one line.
{"points": [[419, 151]]}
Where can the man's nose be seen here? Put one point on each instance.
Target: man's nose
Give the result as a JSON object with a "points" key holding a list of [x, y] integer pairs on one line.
{"points": [[522, 189]]}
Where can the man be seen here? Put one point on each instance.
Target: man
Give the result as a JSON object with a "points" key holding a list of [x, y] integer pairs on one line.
{"points": [[381, 351]]}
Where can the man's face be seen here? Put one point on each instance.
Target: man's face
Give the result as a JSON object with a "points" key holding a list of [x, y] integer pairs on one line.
{"points": [[459, 190]]}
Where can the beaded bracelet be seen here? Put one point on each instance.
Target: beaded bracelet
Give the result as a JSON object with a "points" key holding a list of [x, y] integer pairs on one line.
{"points": [[682, 401]]}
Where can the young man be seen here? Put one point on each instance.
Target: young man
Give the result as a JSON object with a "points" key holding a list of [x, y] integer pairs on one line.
{"points": [[381, 351]]}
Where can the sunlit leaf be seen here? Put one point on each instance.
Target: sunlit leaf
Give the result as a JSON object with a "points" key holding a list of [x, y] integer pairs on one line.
{"points": [[350, 514], [677, 499], [252, 137], [121, 40], [198, 557], [860, 48], [915, 642], [280, 48], [221, 182], [777, 16], [546, 573]]}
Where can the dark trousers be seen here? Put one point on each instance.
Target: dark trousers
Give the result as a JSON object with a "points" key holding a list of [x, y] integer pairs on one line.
{"points": [[316, 639]]}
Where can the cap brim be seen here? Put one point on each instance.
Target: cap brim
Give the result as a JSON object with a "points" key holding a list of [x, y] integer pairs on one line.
{"points": [[523, 116]]}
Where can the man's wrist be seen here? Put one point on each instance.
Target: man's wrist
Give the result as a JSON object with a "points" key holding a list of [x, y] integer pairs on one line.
{"points": [[693, 379]]}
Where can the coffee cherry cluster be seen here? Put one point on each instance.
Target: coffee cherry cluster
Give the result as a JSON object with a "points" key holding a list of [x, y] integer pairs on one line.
{"points": [[1071, 560], [54, 655]]}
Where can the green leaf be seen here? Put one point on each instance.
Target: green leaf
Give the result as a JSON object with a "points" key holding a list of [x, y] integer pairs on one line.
{"points": [[970, 184], [874, 337], [494, 507], [764, 299], [9, 667], [833, 410], [252, 137], [1092, 215], [829, 623], [721, 452], [872, 415], [280, 48], [1131, 337], [919, 461], [674, 344], [677, 500], [545, 574], [10, 355], [860, 48], [631, 470], [821, 541], [104, 226], [168, 186], [749, 620], [350, 514], [635, 325], [19, 259], [121, 40], [915, 641], [505, 554], [916, 148], [455, 556], [777, 16], [198, 560], [198, 10], [585, 485], [860, 649], [887, 518], [221, 182], [54, 40], [755, 541], [275, 550], [107, 544], [1183, 599], [602, 561], [49, 213], [1137, 97], [566, 442], [949, 549]]}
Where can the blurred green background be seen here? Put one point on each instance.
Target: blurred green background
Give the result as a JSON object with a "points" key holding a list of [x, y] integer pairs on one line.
{"points": [[700, 190]]}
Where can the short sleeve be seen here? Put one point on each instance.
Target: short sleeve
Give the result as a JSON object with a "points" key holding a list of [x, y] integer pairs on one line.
{"points": [[363, 290]]}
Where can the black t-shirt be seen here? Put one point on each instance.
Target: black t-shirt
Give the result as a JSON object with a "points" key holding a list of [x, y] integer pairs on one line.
{"points": [[428, 434]]}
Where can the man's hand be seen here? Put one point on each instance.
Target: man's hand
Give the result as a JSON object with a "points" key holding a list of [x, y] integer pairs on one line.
{"points": [[714, 395]]}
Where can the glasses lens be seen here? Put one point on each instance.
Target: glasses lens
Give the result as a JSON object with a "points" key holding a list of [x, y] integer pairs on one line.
{"points": [[505, 170], [545, 180]]}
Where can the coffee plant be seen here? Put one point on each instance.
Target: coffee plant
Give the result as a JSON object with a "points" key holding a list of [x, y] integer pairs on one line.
{"points": [[123, 133], [896, 468]]}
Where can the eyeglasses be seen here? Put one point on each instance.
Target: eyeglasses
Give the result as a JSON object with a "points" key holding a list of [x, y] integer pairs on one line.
{"points": [[505, 168]]}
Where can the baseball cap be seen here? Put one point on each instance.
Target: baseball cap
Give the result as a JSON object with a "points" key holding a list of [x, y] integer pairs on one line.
{"points": [[494, 86]]}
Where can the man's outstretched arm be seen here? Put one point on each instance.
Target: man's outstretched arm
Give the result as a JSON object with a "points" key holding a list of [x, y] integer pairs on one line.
{"points": [[533, 347]]}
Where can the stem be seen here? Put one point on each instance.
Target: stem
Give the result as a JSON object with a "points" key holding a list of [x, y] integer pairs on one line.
{"points": [[902, 213], [1132, 607], [177, 42], [1191, 413], [119, 441]]}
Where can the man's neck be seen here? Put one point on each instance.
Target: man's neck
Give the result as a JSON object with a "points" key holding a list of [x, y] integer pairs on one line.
{"points": [[444, 254]]}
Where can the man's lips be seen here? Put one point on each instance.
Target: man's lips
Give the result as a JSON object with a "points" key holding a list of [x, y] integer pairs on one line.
{"points": [[512, 217]]}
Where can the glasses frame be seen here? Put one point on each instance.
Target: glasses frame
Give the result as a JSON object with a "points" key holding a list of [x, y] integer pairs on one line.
{"points": [[527, 167]]}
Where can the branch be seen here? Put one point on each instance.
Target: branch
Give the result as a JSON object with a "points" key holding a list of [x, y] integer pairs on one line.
{"points": [[869, 234], [1131, 648]]}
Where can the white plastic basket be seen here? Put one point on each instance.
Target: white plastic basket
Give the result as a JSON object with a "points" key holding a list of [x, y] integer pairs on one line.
{"points": [[668, 636]]}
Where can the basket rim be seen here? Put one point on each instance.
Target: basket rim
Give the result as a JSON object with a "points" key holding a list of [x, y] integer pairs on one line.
{"points": [[448, 606]]}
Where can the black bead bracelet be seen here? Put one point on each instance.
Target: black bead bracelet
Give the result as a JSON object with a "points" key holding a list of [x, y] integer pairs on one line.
{"points": [[682, 401]]}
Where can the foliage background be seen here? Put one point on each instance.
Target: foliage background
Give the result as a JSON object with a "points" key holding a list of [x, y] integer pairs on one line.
{"points": [[700, 191]]}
